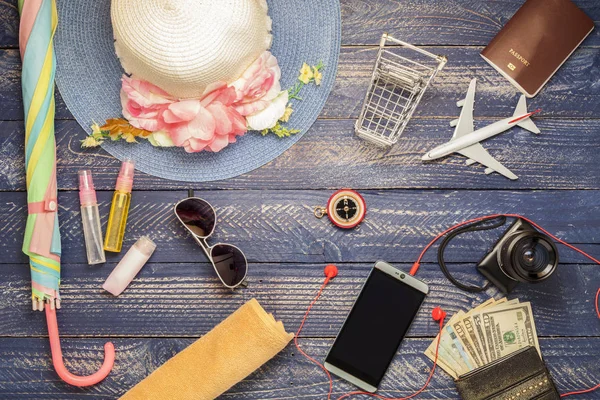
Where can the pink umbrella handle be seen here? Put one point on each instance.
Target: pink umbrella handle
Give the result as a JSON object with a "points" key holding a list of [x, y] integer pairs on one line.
{"points": [[57, 358]]}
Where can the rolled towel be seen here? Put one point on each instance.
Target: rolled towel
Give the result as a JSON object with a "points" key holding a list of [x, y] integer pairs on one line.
{"points": [[230, 352]]}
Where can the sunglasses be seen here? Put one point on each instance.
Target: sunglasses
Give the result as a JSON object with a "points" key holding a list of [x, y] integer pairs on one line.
{"points": [[200, 218]]}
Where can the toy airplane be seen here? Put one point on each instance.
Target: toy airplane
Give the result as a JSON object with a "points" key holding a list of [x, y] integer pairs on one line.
{"points": [[466, 139]]}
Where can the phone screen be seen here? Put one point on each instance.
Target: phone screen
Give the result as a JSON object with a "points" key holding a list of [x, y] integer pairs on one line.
{"points": [[375, 327]]}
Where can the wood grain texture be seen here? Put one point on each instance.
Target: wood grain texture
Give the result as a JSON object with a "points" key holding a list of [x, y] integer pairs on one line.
{"points": [[564, 156], [572, 92], [279, 226], [27, 370], [177, 298], [458, 22], [9, 24], [187, 300], [430, 22]]}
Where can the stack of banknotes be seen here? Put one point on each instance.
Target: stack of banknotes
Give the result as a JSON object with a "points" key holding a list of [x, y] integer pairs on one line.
{"points": [[487, 332]]}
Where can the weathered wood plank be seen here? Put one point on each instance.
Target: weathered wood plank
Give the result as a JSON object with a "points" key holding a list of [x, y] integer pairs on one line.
{"points": [[27, 369], [9, 24], [422, 22], [330, 156], [185, 300], [573, 92], [279, 226], [460, 22]]}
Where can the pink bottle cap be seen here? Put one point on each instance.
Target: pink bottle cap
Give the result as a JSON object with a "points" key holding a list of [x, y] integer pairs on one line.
{"points": [[125, 179], [87, 194]]}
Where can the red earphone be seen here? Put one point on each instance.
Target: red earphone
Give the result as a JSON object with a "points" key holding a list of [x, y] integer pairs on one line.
{"points": [[331, 271], [438, 315]]}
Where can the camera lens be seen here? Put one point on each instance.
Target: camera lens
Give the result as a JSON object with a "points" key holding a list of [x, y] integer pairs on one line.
{"points": [[402, 276], [528, 256], [532, 255]]}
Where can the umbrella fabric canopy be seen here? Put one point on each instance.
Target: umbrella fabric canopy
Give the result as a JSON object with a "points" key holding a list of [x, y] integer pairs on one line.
{"points": [[42, 237]]}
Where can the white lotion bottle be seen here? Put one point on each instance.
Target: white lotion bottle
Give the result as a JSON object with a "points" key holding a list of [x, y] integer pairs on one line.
{"points": [[129, 266]]}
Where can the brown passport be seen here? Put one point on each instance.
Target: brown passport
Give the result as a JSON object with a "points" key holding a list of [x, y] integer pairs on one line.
{"points": [[536, 41]]}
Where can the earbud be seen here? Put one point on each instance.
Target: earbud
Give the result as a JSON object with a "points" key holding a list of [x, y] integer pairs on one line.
{"points": [[331, 272], [438, 315]]}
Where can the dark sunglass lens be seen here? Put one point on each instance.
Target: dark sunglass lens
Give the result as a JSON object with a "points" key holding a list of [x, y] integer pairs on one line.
{"points": [[197, 215], [230, 263]]}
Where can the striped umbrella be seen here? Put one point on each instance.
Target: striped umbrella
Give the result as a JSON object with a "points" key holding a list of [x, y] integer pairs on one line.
{"points": [[39, 20], [42, 237]]}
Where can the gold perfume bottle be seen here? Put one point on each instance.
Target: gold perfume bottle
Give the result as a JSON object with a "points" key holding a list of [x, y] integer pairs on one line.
{"points": [[119, 209]]}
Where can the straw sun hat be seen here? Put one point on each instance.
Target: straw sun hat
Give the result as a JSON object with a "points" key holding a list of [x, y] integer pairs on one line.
{"points": [[188, 52]]}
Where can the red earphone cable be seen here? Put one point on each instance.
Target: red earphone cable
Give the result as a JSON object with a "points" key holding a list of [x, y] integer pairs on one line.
{"points": [[417, 264], [437, 347], [598, 385], [581, 391], [413, 271], [327, 372], [300, 330], [598, 303]]}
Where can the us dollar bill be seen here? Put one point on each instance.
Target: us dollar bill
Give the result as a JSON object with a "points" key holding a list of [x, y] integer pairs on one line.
{"points": [[481, 331], [459, 348], [443, 360], [475, 328], [510, 328], [471, 342], [478, 345], [456, 359], [448, 352], [468, 345], [491, 330], [450, 360]]}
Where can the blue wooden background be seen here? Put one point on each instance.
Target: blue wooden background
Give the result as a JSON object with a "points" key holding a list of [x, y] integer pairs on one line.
{"points": [[268, 213]]}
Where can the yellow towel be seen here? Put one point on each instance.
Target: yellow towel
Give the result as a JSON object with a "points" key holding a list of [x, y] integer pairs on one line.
{"points": [[214, 363]]}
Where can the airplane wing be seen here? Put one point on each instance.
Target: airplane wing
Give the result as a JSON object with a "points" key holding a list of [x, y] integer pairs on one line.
{"points": [[477, 153], [464, 124]]}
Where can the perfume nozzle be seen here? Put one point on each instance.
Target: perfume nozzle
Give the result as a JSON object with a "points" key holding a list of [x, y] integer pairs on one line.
{"points": [[125, 179], [87, 193]]}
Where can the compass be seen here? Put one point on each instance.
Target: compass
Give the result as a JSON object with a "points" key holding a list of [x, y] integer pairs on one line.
{"points": [[345, 208]]}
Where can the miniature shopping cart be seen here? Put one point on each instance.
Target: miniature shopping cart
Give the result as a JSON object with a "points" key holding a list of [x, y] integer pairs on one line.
{"points": [[400, 77]]}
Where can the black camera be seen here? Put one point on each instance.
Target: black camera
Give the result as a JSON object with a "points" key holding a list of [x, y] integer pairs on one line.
{"points": [[523, 254]]}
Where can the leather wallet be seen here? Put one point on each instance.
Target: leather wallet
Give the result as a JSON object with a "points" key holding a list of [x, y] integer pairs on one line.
{"points": [[521, 375]]}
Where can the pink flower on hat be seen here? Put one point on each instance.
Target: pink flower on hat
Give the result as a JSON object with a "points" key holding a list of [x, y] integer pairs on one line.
{"points": [[210, 122], [143, 103], [206, 124], [258, 86]]}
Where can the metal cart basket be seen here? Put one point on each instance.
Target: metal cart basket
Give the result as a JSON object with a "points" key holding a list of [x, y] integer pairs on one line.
{"points": [[397, 85]]}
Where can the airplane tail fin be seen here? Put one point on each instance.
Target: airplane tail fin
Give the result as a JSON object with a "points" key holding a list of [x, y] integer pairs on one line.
{"points": [[526, 123]]}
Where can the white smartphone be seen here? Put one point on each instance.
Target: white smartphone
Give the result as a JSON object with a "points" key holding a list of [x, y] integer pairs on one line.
{"points": [[375, 326]]}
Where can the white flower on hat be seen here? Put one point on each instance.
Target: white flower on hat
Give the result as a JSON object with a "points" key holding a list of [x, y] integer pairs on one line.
{"points": [[267, 118], [161, 139]]}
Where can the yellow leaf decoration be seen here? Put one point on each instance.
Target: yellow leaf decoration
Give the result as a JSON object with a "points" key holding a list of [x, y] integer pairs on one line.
{"points": [[119, 127]]}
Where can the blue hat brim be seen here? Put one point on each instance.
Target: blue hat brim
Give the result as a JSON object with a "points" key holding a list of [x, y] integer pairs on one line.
{"points": [[89, 80]]}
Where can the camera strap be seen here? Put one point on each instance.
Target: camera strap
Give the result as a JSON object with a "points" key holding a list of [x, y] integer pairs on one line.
{"points": [[479, 220], [487, 222], [483, 225]]}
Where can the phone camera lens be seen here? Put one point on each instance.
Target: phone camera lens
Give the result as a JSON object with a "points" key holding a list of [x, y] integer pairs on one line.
{"points": [[402, 276]]}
